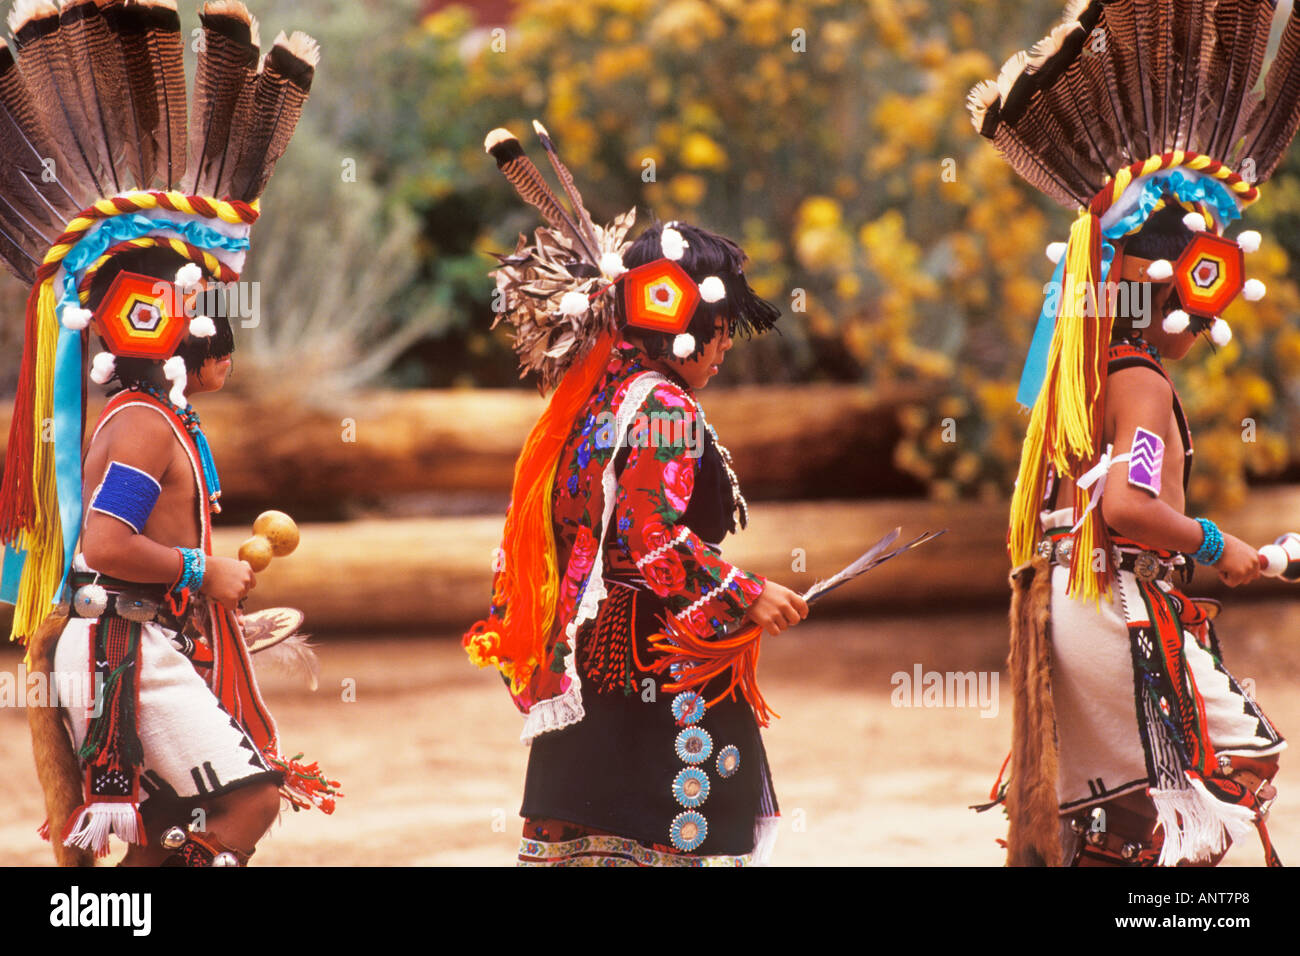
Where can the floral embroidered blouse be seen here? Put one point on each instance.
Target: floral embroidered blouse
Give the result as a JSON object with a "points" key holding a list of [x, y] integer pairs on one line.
{"points": [[647, 544]]}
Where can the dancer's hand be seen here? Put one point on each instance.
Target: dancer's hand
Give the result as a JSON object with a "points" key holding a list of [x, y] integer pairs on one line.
{"points": [[228, 581], [777, 608], [1239, 564]]}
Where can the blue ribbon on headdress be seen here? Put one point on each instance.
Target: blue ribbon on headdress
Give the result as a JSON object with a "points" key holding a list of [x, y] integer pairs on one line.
{"points": [[1187, 188], [68, 366]]}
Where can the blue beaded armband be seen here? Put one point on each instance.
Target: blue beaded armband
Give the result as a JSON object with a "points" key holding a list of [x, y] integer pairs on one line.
{"points": [[194, 565], [128, 494], [1211, 549]]}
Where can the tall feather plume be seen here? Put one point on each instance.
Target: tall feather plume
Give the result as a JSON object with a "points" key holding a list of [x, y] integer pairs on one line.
{"points": [[1242, 28], [586, 227], [100, 73], [149, 34], [51, 77], [1187, 35], [1124, 65], [218, 79], [1274, 124], [1135, 78], [241, 122], [280, 93], [33, 205], [527, 179]]}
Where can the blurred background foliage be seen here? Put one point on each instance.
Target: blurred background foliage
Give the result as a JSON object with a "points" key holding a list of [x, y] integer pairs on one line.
{"points": [[829, 138]]}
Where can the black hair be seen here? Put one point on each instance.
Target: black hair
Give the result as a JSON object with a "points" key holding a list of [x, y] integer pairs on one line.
{"points": [[706, 254], [1163, 236], [162, 263]]}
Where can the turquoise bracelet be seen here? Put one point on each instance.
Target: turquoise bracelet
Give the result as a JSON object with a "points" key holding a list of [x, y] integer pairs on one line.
{"points": [[1211, 549]]}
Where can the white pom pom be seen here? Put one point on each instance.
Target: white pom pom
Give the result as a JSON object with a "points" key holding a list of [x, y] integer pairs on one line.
{"points": [[1194, 221], [175, 372], [1249, 241], [1055, 250], [102, 368], [1253, 290], [1160, 269], [684, 345], [573, 303], [672, 243], [188, 276], [712, 289], [1220, 333], [75, 318], [202, 327], [1176, 321], [611, 265]]}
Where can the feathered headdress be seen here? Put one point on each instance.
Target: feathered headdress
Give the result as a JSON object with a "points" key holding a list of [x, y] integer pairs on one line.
{"points": [[97, 160], [1125, 107]]}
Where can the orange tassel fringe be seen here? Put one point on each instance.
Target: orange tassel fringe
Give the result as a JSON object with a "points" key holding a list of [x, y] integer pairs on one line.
{"points": [[703, 660]]}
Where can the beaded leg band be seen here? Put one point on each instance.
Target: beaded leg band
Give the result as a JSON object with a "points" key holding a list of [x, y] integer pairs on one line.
{"points": [[201, 848]]}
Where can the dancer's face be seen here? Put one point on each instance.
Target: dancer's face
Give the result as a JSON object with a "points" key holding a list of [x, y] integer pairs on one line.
{"points": [[211, 376], [698, 370]]}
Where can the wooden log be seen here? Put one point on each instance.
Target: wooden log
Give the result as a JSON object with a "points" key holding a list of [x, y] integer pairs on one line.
{"points": [[455, 449]]}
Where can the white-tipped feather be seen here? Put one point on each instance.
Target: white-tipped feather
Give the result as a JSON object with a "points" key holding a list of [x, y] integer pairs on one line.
{"points": [[684, 345], [1011, 71], [979, 99], [27, 10], [1249, 241], [1055, 250], [1253, 290], [1220, 333], [202, 327], [1195, 221]]}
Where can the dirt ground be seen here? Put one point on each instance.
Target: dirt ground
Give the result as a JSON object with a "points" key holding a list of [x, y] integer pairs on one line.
{"points": [[429, 756]]}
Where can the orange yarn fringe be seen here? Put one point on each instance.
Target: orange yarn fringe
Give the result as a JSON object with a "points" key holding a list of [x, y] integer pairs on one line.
{"points": [[529, 578], [703, 660]]}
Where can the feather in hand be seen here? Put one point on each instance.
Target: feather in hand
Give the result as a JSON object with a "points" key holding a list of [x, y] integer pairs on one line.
{"points": [[874, 556], [294, 655]]}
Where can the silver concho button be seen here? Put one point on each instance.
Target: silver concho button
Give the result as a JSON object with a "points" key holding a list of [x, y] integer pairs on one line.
{"points": [[225, 859], [174, 838], [1064, 550], [1146, 566], [136, 608], [91, 600]]}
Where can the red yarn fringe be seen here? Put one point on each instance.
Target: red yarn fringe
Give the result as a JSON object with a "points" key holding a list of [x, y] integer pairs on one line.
{"points": [[17, 499], [704, 660]]}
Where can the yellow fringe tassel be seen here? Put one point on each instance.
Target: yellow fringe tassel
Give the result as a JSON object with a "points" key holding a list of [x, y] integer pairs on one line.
{"points": [[43, 568], [1064, 422]]}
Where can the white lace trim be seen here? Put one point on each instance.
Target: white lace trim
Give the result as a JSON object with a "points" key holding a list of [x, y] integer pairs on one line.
{"points": [[664, 548], [559, 712], [710, 595]]}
